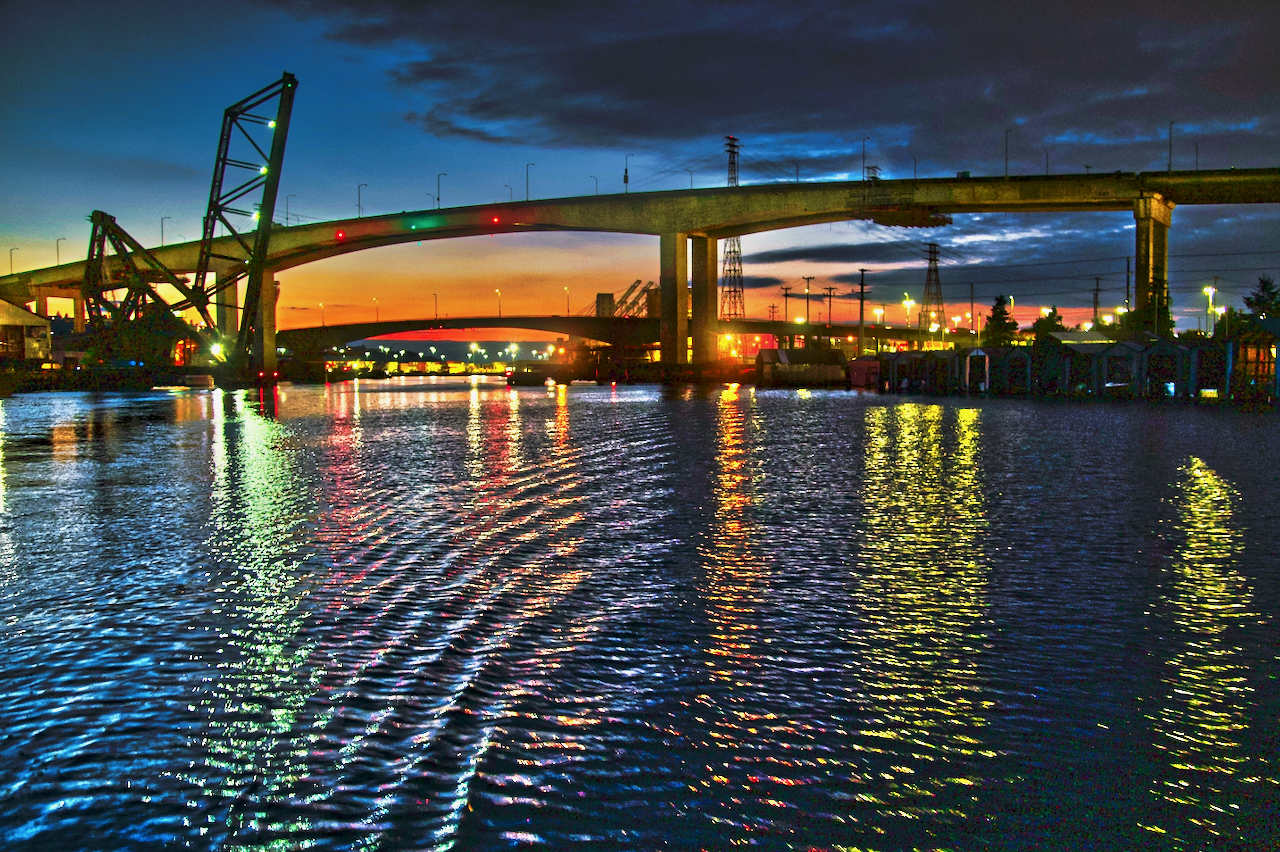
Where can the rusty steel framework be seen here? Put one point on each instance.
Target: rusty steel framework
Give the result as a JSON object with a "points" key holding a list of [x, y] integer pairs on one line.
{"points": [[263, 175], [119, 287], [732, 304]]}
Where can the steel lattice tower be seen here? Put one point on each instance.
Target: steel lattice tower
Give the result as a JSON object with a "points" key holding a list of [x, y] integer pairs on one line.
{"points": [[732, 305], [932, 302]]}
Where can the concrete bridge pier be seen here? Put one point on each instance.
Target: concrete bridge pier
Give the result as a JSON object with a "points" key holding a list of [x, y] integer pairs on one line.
{"points": [[264, 338], [1153, 215], [674, 256], [705, 325], [226, 311]]}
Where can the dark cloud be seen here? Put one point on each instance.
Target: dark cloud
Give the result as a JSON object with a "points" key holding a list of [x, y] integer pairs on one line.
{"points": [[838, 253], [804, 82], [759, 282]]}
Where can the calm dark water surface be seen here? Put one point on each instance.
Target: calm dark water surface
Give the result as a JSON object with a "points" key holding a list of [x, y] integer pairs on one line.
{"points": [[423, 615]]}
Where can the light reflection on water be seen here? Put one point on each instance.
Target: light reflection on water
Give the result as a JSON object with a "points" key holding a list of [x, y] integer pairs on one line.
{"points": [[1201, 723], [422, 615]]}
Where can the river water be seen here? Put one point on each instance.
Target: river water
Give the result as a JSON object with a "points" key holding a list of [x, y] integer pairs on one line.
{"points": [[409, 614]]}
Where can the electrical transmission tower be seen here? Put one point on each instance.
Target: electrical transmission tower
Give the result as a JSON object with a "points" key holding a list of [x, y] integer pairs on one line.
{"points": [[932, 303], [732, 305]]}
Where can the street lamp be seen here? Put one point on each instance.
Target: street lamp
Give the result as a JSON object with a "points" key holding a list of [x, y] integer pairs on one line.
{"points": [[597, 180], [626, 178], [56, 253], [566, 301], [359, 200], [499, 292], [433, 199], [908, 303], [11, 251], [511, 193], [322, 314], [376, 316], [442, 174], [526, 179], [162, 218], [690, 178]]}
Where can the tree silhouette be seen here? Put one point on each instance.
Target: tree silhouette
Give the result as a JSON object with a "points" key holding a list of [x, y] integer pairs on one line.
{"points": [[1000, 328], [1264, 301], [1051, 321]]}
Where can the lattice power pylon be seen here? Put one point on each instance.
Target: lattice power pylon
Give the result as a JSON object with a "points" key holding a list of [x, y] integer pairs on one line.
{"points": [[732, 305], [931, 307]]}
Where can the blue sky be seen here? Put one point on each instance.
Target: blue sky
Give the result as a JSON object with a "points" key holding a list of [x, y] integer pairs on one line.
{"points": [[117, 107]]}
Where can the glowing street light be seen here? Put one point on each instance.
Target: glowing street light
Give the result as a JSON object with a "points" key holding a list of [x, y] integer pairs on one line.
{"points": [[908, 303], [499, 292]]}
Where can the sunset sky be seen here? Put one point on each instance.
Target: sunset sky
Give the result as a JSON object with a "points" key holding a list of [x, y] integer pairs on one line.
{"points": [[118, 107]]}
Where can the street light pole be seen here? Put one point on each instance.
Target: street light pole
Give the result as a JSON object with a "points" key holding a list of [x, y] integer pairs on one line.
{"points": [[377, 317], [597, 180], [499, 292], [690, 178], [442, 174], [360, 200], [322, 314], [526, 179], [511, 193], [56, 253], [162, 218], [436, 297], [432, 197], [566, 301], [11, 251], [626, 177]]}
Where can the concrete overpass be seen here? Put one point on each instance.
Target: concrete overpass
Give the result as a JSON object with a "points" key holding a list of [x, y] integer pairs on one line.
{"points": [[689, 222]]}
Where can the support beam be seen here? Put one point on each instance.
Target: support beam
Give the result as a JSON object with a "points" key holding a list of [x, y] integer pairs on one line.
{"points": [[1153, 215], [705, 326], [674, 256]]}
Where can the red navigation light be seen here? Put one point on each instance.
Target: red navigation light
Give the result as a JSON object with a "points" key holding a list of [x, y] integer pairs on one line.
{"points": [[495, 220], [340, 236]]}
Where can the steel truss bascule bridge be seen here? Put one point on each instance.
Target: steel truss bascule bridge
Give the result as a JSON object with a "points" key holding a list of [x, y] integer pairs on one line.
{"points": [[689, 225]]}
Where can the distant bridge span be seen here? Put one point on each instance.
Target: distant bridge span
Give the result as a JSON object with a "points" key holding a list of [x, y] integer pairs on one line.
{"points": [[689, 222], [616, 331]]}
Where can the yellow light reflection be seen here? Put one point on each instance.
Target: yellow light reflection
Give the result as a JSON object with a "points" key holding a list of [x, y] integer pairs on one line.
{"points": [[734, 654], [923, 603], [1201, 725]]}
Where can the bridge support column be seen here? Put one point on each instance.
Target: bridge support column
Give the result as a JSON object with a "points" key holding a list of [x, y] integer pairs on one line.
{"points": [[1153, 215], [78, 313], [226, 311], [674, 253], [265, 339], [705, 326]]}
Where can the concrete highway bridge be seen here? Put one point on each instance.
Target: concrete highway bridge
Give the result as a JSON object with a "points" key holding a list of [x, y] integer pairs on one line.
{"points": [[689, 222]]}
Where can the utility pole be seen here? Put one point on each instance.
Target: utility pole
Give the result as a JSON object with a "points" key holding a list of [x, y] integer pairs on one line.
{"points": [[626, 178], [773, 313], [862, 303], [1097, 284], [830, 291], [786, 294], [1127, 306], [808, 279], [972, 314]]}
